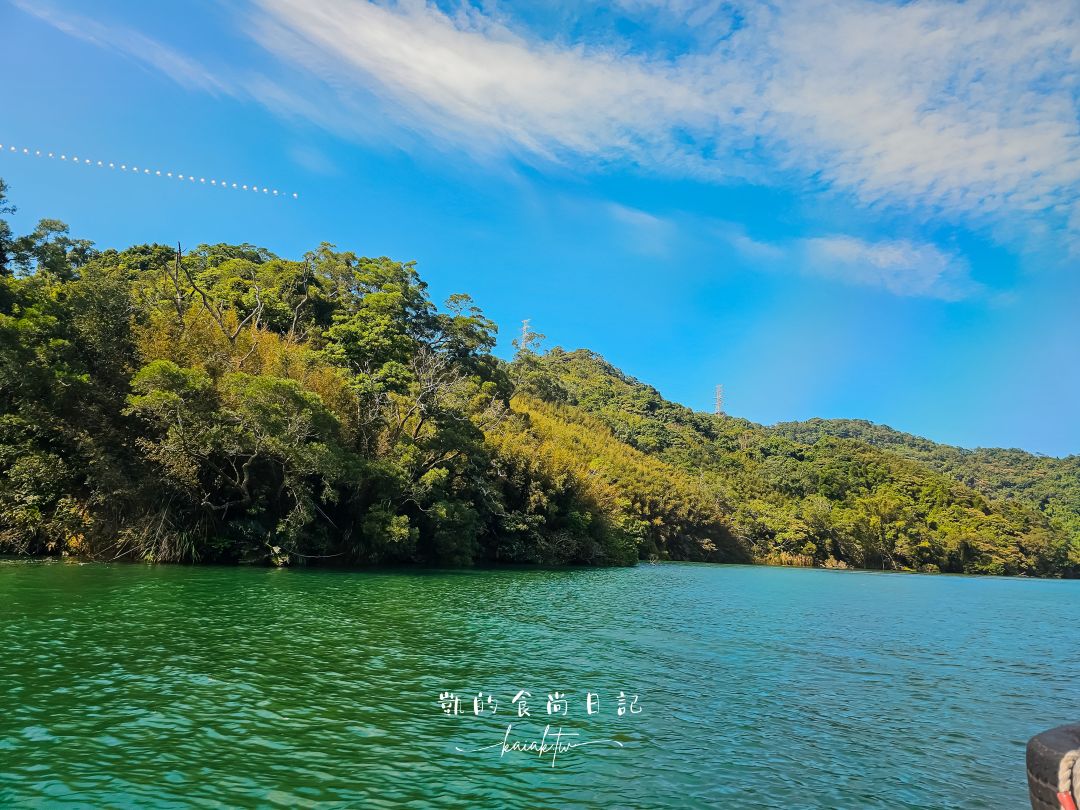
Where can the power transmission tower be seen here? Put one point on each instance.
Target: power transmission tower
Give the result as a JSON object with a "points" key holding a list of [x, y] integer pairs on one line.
{"points": [[524, 334], [719, 400]]}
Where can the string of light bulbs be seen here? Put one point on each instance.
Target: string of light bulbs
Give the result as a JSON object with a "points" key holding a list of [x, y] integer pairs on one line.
{"points": [[75, 160]]}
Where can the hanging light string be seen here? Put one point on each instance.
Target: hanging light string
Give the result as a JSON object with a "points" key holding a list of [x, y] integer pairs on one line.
{"points": [[142, 170]]}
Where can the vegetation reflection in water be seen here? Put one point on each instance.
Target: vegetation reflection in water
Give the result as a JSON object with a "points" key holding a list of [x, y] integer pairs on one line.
{"points": [[175, 686]]}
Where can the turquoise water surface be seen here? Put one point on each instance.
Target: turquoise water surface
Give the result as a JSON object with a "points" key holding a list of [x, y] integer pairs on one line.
{"points": [[137, 686]]}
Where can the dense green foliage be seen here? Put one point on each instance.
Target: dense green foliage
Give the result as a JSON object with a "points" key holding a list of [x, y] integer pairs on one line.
{"points": [[823, 499], [1052, 485], [232, 405]]}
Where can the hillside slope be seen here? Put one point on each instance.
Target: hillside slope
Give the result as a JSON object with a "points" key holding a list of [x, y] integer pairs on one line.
{"points": [[816, 498], [230, 405], [1051, 485]]}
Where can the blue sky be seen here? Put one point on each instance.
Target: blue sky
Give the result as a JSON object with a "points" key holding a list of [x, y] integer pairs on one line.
{"points": [[836, 209]]}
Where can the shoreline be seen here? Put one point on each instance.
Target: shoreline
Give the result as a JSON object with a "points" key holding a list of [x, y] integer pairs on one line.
{"points": [[420, 568]]}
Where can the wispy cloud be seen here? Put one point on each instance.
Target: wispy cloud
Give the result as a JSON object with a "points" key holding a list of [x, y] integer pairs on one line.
{"points": [[470, 78], [966, 111], [961, 108], [646, 233], [903, 267], [899, 266], [968, 107], [151, 52], [745, 245]]}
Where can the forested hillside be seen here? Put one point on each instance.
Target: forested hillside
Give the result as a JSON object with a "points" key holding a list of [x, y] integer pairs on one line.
{"points": [[1050, 484], [833, 501], [225, 404]]}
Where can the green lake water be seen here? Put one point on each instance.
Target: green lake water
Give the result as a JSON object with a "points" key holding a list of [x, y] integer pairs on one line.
{"points": [[137, 686]]}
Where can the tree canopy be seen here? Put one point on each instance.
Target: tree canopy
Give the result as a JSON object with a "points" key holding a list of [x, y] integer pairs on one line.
{"points": [[226, 404]]}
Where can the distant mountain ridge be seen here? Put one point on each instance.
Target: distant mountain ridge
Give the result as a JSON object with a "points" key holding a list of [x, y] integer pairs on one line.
{"points": [[824, 492], [1050, 483]]}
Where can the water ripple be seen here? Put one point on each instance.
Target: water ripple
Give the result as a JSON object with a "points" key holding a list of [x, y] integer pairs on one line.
{"points": [[209, 687]]}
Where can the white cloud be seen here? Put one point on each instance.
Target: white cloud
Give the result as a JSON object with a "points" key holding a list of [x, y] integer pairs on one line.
{"points": [[904, 267], [472, 79], [961, 110], [899, 266], [646, 233], [967, 109], [744, 244], [181, 69]]}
